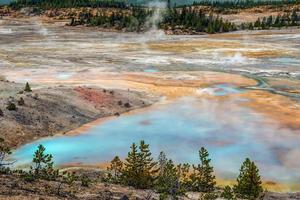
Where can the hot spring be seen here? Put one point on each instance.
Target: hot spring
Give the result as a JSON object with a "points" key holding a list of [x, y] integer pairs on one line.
{"points": [[230, 131]]}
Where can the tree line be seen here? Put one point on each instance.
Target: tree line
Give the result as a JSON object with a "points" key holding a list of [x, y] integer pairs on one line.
{"points": [[186, 19], [141, 171], [196, 20], [69, 3], [279, 21], [137, 19], [243, 4]]}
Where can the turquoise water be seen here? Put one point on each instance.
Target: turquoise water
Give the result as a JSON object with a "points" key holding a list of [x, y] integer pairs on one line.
{"points": [[228, 130]]}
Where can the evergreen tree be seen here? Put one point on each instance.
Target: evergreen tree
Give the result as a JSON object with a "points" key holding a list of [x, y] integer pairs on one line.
{"points": [[43, 165], [27, 87], [184, 174], [139, 167], [148, 166], [131, 171], [202, 177], [168, 180], [115, 170], [294, 18], [248, 182]]}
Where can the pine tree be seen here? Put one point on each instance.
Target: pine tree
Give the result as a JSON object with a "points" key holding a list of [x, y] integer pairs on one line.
{"points": [[43, 165], [131, 170], [115, 170], [184, 174], [294, 18], [202, 177], [248, 182], [27, 87], [148, 166], [139, 167]]}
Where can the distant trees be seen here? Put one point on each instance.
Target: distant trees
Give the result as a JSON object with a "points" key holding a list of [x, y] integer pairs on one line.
{"points": [[68, 3], [197, 20], [136, 19], [242, 4], [279, 21]]}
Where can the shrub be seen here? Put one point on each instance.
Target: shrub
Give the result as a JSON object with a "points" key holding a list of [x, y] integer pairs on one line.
{"points": [[1, 113], [209, 196], [69, 177], [85, 181], [127, 105], [11, 106], [21, 102]]}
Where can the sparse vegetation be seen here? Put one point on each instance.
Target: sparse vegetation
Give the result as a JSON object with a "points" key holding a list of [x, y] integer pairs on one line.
{"points": [[85, 181]]}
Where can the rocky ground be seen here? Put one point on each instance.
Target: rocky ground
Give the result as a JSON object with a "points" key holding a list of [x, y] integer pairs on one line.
{"points": [[53, 110], [13, 187]]}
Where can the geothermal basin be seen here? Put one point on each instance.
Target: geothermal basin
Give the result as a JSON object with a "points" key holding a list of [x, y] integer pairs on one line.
{"points": [[205, 98]]}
